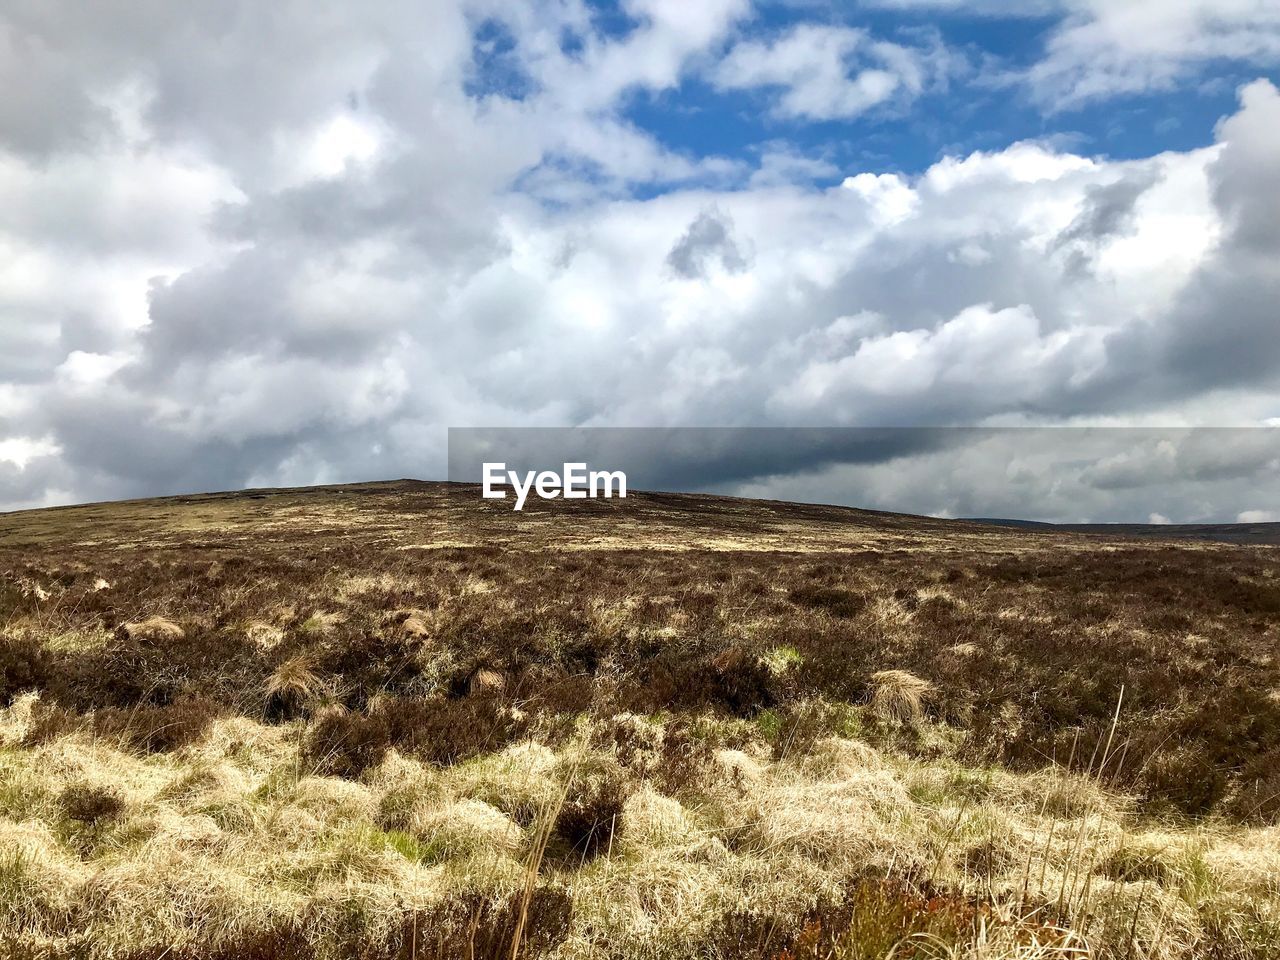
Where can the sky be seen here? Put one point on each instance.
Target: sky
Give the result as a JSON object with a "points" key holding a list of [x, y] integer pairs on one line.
{"points": [[247, 244]]}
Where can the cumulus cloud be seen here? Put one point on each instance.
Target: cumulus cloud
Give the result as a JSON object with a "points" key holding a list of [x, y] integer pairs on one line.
{"points": [[1221, 328], [298, 253]]}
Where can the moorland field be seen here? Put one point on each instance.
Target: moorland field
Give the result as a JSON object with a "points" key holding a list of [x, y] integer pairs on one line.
{"points": [[394, 721]]}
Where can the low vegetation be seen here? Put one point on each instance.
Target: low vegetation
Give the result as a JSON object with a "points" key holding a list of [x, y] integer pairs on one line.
{"points": [[387, 721]]}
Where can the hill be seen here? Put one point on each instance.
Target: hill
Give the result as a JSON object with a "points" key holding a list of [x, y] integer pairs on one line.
{"points": [[1244, 533], [396, 720]]}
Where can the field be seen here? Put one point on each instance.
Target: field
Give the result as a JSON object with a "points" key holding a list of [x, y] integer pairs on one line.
{"points": [[394, 721]]}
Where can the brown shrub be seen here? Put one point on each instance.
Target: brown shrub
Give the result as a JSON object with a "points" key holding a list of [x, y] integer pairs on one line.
{"points": [[837, 601], [445, 730], [1257, 796], [1132, 864], [988, 858], [126, 673], [636, 744], [345, 744], [284, 940], [24, 665], [684, 761], [550, 691], [158, 729], [89, 804], [876, 918], [475, 924], [731, 680], [1184, 777], [591, 813], [369, 662], [741, 683], [152, 729]]}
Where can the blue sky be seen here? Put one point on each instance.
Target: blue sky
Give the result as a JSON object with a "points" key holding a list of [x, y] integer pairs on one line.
{"points": [[980, 100], [973, 112]]}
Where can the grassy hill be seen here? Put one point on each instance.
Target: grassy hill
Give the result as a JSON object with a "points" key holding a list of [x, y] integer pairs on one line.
{"points": [[395, 720]]}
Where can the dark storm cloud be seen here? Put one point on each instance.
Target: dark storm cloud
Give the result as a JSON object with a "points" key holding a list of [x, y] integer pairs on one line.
{"points": [[29, 484], [1066, 475], [1059, 474], [27, 350], [1148, 458], [691, 458]]}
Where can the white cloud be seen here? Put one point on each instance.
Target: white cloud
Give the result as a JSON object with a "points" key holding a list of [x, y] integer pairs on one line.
{"points": [[1109, 47], [20, 451], [888, 195], [782, 164], [339, 141], [1100, 49], [828, 72], [1259, 516], [983, 8], [1024, 162], [980, 350]]}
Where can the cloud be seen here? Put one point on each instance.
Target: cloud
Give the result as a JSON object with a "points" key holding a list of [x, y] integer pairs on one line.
{"points": [[829, 72], [19, 451], [1107, 48], [1038, 474], [1221, 326], [975, 356], [781, 164], [1108, 212], [887, 194], [1258, 516], [257, 261], [982, 8], [709, 239], [1096, 50]]}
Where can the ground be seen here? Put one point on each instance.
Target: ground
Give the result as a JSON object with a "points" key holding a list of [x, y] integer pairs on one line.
{"points": [[394, 720]]}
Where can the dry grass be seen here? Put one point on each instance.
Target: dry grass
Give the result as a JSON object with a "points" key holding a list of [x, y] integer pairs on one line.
{"points": [[221, 845], [670, 728], [899, 696]]}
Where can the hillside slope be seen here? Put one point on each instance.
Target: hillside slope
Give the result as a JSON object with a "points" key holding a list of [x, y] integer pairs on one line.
{"points": [[425, 512], [409, 511], [394, 720]]}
